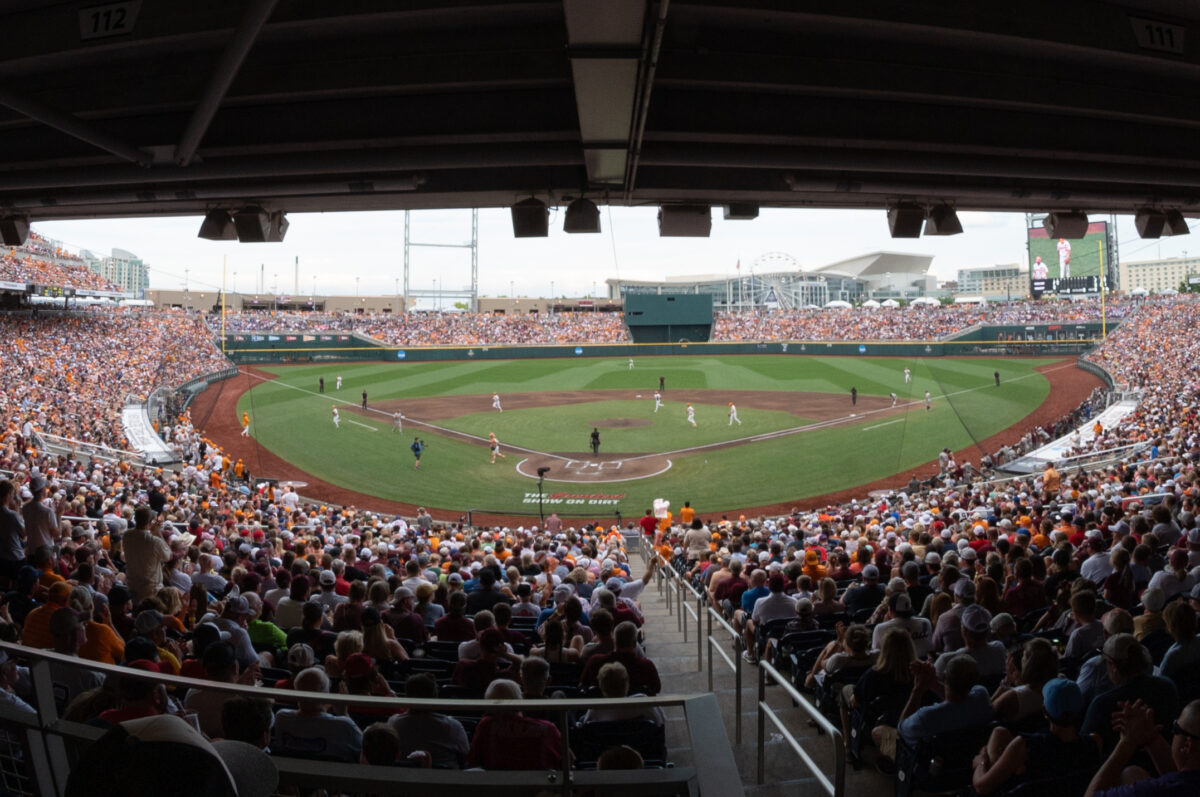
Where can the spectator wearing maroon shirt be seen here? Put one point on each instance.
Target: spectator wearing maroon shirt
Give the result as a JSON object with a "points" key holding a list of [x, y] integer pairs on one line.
{"points": [[454, 625], [511, 740], [1027, 594], [494, 662], [643, 675], [648, 523], [728, 593], [404, 621]]}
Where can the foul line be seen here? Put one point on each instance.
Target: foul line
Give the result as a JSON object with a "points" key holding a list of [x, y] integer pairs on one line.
{"points": [[363, 425], [881, 425]]}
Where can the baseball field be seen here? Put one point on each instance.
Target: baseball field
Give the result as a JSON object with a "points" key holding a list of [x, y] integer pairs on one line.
{"points": [[801, 433]]}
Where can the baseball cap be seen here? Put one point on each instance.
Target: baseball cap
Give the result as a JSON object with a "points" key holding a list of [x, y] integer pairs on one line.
{"points": [[147, 622], [328, 579], [300, 655], [1062, 698], [454, 578], [901, 604], [358, 665], [614, 584], [933, 558], [870, 573], [1195, 593], [976, 619], [964, 588], [237, 605], [403, 592]]}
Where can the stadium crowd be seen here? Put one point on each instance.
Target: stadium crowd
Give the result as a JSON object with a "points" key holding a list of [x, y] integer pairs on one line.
{"points": [[442, 329], [37, 262], [1004, 624], [911, 323], [69, 374], [473, 329], [170, 573]]}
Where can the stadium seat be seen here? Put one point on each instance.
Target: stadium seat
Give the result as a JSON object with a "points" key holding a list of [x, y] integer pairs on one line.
{"points": [[590, 739]]}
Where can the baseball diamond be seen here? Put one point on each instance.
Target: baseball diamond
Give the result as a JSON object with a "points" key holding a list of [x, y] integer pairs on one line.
{"points": [[801, 439]]}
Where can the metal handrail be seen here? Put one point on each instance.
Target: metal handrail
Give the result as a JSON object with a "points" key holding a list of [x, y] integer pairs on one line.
{"points": [[836, 787], [700, 712], [735, 664]]}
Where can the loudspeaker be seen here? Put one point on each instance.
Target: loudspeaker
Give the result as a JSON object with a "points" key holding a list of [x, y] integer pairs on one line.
{"points": [[684, 221], [14, 232], [253, 225], [1066, 225], [905, 221], [582, 216], [942, 221], [278, 227], [218, 226], [741, 212], [1176, 223], [1149, 223], [530, 219]]}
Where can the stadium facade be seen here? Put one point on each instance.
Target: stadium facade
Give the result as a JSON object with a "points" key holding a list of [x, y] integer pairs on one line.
{"points": [[776, 281]]}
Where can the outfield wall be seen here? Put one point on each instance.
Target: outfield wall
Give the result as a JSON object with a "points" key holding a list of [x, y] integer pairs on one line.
{"points": [[996, 341]]}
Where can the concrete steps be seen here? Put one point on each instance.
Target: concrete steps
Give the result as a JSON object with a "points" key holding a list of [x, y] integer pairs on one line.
{"points": [[784, 772]]}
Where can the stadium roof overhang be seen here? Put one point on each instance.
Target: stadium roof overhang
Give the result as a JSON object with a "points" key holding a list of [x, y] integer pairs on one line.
{"points": [[143, 108]]}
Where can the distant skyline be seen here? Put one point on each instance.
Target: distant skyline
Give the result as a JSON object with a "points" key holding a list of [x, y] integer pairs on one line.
{"points": [[340, 253]]}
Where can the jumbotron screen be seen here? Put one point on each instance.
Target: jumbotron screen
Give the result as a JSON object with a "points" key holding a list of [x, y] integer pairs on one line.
{"points": [[1067, 265]]}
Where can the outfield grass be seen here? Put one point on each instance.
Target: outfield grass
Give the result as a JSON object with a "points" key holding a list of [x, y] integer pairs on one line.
{"points": [[292, 420]]}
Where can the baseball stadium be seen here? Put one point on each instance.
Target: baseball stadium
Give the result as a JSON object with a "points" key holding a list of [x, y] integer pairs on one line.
{"points": [[800, 529]]}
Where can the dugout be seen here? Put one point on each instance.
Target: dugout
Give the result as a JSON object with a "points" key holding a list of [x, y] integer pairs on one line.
{"points": [[669, 318]]}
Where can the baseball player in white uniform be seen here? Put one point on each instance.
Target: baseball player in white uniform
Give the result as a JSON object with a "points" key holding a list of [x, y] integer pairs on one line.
{"points": [[907, 377], [733, 414], [893, 395], [337, 419], [928, 401], [398, 423], [339, 382], [657, 401], [496, 402], [691, 414], [630, 363], [1064, 258]]}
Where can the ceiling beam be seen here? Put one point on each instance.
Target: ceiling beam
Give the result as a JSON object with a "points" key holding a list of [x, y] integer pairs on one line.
{"points": [[72, 125], [222, 77]]}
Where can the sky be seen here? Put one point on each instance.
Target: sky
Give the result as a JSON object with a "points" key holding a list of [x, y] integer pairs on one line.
{"points": [[345, 253]]}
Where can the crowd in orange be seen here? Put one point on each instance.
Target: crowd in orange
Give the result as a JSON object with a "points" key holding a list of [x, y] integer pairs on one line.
{"points": [[71, 373], [37, 262]]}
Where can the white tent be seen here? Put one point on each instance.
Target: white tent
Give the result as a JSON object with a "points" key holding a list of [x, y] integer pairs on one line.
{"points": [[837, 304], [871, 304], [890, 303], [925, 300]]}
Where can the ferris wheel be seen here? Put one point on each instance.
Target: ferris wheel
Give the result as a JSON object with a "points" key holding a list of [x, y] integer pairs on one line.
{"points": [[775, 261]]}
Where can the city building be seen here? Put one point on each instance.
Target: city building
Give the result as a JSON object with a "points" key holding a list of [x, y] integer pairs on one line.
{"points": [[1156, 276], [993, 282], [880, 275], [124, 269]]}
